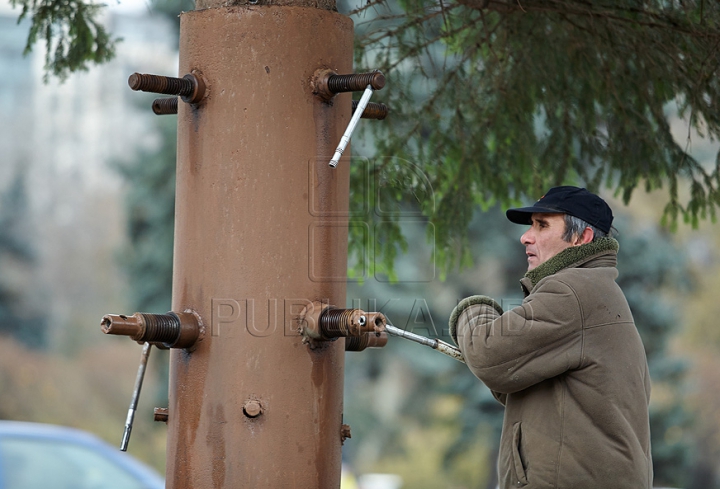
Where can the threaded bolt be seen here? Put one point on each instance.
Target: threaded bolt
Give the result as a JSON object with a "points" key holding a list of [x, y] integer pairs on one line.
{"points": [[167, 106], [190, 87], [167, 85], [335, 323], [356, 82], [372, 111], [326, 83], [366, 340], [151, 328], [173, 330], [161, 328]]}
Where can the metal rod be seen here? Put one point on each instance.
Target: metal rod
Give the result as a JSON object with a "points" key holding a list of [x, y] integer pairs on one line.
{"points": [[372, 111], [356, 82], [165, 106], [190, 87], [438, 345], [136, 395], [168, 85], [410, 336], [351, 127]]}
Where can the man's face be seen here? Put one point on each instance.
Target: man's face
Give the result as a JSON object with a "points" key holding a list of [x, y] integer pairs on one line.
{"points": [[544, 238]]}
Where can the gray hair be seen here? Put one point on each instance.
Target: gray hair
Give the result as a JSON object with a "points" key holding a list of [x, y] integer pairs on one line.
{"points": [[574, 226]]}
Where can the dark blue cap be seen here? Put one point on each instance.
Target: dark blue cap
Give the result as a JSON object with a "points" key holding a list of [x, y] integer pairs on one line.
{"points": [[574, 201]]}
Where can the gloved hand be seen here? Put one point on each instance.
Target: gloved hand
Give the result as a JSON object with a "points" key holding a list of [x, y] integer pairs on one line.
{"points": [[464, 304]]}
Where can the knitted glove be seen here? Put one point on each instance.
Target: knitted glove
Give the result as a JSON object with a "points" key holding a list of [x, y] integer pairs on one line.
{"points": [[464, 304]]}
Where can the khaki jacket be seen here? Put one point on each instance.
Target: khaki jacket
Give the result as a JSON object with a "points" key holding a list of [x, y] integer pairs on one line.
{"points": [[570, 368]]}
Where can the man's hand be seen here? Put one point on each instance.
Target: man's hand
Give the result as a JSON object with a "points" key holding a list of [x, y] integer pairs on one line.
{"points": [[464, 304]]}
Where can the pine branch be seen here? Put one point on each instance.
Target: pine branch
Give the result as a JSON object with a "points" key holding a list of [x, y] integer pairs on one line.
{"points": [[543, 92], [73, 36]]}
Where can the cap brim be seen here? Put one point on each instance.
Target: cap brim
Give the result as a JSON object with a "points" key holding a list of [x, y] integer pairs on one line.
{"points": [[523, 215]]}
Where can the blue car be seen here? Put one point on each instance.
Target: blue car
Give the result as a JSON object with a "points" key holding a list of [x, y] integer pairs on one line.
{"points": [[41, 456]]}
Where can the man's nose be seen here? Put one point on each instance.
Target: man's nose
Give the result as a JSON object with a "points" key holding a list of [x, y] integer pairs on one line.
{"points": [[527, 237]]}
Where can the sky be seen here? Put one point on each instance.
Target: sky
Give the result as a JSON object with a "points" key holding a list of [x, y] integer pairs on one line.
{"points": [[128, 6]]}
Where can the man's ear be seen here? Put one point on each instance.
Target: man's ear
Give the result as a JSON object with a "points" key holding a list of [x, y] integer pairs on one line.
{"points": [[585, 237]]}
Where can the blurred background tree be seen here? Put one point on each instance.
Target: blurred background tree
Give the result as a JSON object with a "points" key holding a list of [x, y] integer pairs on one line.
{"points": [[21, 315], [150, 209], [568, 91], [59, 235], [655, 274], [150, 201], [499, 100]]}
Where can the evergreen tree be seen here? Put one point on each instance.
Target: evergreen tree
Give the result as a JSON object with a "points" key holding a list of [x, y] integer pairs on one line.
{"points": [[19, 317], [150, 203], [150, 207], [73, 34], [499, 100]]}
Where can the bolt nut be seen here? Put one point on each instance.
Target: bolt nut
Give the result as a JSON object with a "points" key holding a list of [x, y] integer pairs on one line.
{"points": [[252, 408], [160, 414], [199, 88], [319, 84], [345, 433]]}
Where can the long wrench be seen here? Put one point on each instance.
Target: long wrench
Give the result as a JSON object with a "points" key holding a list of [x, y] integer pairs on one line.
{"points": [[435, 344], [345, 139], [136, 395]]}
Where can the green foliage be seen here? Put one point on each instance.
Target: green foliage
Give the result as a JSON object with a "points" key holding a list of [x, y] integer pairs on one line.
{"points": [[384, 194], [19, 318], [72, 33], [497, 101]]}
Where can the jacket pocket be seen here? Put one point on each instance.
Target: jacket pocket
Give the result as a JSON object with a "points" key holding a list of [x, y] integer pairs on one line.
{"points": [[517, 461]]}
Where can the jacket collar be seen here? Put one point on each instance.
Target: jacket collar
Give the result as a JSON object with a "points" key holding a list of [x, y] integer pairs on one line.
{"points": [[603, 249]]}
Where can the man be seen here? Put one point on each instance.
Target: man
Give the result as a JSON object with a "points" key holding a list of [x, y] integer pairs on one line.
{"points": [[568, 364]]}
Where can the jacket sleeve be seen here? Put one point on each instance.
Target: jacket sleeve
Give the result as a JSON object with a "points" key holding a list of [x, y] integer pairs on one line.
{"points": [[540, 339], [500, 397]]}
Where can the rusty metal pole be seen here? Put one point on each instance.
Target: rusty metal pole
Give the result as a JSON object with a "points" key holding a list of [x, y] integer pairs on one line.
{"points": [[261, 231]]}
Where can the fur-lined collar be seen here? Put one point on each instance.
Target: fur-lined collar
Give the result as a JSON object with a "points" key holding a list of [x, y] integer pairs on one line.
{"points": [[571, 257]]}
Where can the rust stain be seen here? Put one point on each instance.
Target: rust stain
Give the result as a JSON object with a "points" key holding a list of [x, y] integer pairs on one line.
{"points": [[196, 112], [182, 427], [216, 443], [318, 366]]}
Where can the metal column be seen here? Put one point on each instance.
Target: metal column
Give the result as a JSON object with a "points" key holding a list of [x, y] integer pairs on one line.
{"points": [[261, 230]]}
